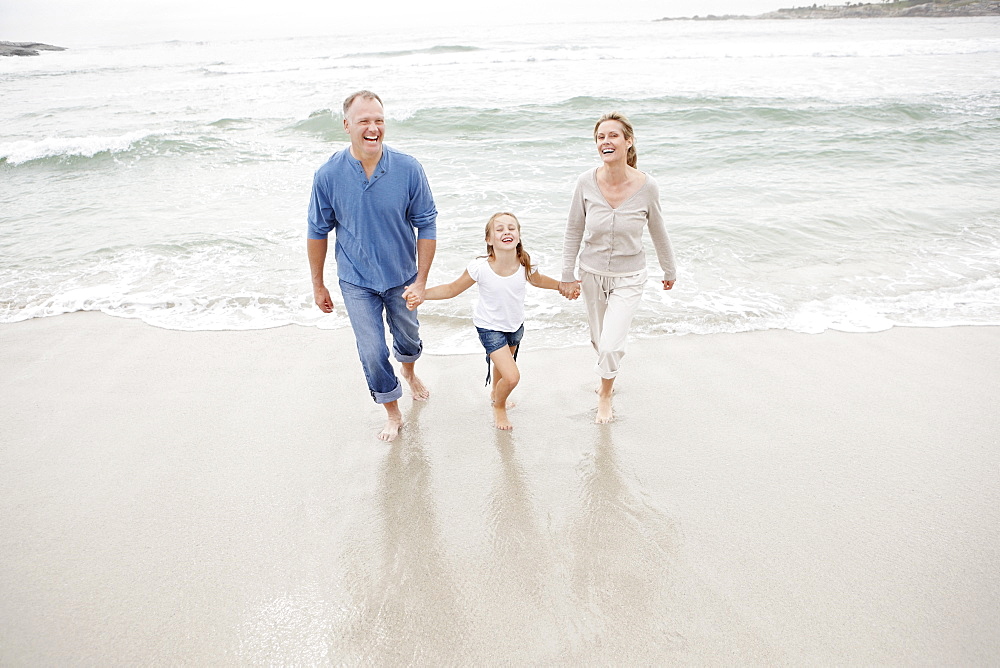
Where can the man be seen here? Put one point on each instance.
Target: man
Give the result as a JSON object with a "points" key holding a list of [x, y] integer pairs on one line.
{"points": [[380, 206]]}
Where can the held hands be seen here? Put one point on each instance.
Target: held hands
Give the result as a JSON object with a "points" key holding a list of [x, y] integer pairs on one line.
{"points": [[569, 289], [414, 296]]}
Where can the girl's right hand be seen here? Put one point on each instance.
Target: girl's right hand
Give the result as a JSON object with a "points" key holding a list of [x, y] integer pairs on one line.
{"points": [[412, 299]]}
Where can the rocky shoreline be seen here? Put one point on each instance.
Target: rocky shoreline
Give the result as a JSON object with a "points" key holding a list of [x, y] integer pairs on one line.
{"points": [[26, 48], [904, 8]]}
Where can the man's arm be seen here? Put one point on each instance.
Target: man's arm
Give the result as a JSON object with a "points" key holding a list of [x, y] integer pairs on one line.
{"points": [[316, 250], [425, 256]]}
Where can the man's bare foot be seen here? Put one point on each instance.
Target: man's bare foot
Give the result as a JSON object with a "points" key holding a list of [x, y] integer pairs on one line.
{"points": [[393, 422], [391, 429], [500, 420], [417, 387]]}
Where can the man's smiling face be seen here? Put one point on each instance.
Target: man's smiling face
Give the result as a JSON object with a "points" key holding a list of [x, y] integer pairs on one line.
{"points": [[365, 124]]}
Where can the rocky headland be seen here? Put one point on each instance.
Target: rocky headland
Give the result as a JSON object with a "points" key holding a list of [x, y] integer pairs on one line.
{"points": [[860, 10], [26, 48]]}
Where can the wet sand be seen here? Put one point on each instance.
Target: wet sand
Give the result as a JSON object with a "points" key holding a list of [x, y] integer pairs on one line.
{"points": [[219, 498]]}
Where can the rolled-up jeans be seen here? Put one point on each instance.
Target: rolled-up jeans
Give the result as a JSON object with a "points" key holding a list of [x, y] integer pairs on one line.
{"points": [[611, 304], [366, 308]]}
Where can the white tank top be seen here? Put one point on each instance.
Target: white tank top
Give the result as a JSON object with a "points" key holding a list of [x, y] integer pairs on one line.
{"points": [[501, 298]]}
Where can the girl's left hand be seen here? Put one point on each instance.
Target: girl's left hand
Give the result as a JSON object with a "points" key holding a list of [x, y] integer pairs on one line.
{"points": [[667, 285], [569, 290]]}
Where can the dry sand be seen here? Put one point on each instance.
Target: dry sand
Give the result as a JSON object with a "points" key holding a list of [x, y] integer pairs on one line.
{"points": [[219, 498]]}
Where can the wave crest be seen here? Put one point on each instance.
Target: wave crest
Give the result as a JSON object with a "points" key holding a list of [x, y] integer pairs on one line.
{"points": [[20, 152], [434, 50]]}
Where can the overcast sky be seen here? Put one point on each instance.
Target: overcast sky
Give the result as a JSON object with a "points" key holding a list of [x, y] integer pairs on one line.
{"points": [[94, 22]]}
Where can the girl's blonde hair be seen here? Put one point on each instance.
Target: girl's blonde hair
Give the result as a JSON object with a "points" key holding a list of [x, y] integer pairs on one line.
{"points": [[522, 255], [631, 157]]}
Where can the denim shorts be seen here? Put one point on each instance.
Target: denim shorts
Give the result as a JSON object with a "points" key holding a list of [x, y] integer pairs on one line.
{"points": [[493, 341]]}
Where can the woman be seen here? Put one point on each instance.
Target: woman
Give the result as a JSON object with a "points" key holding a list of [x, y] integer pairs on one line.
{"points": [[612, 206]]}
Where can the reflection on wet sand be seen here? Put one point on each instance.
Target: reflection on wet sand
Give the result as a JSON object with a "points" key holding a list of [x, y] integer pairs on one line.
{"points": [[624, 551], [519, 551], [406, 609], [603, 583], [296, 626], [519, 595]]}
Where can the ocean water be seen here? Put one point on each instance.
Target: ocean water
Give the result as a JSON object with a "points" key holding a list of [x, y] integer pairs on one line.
{"points": [[815, 175]]}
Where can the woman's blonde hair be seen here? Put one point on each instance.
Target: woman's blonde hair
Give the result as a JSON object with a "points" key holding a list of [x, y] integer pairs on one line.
{"points": [[522, 255], [631, 157]]}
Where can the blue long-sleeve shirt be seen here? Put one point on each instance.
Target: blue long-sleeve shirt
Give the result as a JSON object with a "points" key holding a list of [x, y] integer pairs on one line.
{"points": [[376, 221]]}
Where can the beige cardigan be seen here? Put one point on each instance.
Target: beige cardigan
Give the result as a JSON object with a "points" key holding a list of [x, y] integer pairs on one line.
{"points": [[612, 238]]}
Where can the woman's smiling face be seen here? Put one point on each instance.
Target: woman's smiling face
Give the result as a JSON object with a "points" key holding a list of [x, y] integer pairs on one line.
{"points": [[611, 142]]}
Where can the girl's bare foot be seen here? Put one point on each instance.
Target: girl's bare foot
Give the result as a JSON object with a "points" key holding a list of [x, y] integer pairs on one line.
{"points": [[493, 401], [500, 420]]}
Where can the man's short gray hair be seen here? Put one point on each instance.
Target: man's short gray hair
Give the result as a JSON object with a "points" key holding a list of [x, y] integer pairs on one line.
{"points": [[365, 94]]}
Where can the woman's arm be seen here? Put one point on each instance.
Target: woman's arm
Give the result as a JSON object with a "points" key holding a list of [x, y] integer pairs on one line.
{"points": [[572, 239], [661, 240]]}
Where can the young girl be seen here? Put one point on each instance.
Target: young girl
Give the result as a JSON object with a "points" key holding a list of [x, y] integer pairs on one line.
{"points": [[502, 274]]}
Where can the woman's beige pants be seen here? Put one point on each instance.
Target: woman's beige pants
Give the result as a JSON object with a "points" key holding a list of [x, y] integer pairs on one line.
{"points": [[611, 304]]}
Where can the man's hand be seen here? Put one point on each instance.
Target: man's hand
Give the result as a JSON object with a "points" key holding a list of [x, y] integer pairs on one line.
{"points": [[316, 250], [323, 300], [414, 295]]}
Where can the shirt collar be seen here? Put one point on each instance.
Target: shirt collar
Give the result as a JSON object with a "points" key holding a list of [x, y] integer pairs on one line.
{"points": [[381, 167]]}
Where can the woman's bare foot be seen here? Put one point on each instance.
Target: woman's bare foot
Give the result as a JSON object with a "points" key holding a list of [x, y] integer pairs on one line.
{"points": [[417, 387], [500, 420], [605, 414]]}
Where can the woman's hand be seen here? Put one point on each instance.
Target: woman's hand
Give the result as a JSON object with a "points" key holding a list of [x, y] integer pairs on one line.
{"points": [[569, 289], [667, 285]]}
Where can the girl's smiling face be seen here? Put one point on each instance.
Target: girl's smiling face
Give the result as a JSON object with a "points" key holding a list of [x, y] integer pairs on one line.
{"points": [[503, 233]]}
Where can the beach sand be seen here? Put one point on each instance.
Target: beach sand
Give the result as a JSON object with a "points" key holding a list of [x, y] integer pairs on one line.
{"points": [[220, 498]]}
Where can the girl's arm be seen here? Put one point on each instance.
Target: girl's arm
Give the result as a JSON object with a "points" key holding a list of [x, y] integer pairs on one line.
{"points": [[453, 289], [446, 290], [543, 281]]}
